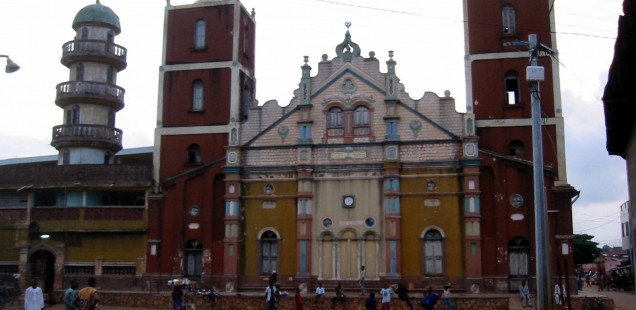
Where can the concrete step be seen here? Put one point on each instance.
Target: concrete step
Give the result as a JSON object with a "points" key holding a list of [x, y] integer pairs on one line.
{"points": [[515, 303]]}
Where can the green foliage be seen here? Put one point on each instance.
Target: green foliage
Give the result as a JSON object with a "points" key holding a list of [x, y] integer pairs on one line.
{"points": [[585, 250]]}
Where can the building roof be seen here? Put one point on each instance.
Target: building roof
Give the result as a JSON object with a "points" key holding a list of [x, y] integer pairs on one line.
{"points": [[97, 14]]}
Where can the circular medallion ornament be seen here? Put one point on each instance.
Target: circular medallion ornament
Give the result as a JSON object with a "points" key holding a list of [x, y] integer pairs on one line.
{"points": [[516, 200], [327, 222], [195, 211], [369, 222]]}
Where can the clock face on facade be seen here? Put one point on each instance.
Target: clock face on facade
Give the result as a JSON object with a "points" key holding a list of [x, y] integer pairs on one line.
{"points": [[348, 201]]}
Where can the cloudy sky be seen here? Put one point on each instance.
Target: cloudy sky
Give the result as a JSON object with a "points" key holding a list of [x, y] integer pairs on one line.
{"points": [[426, 37]]}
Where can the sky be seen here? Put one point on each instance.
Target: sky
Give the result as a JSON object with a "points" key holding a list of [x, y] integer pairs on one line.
{"points": [[426, 37]]}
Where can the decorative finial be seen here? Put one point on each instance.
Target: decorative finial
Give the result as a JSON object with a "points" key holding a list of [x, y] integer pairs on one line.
{"points": [[391, 54], [348, 24], [97, 2], [306, 59]]}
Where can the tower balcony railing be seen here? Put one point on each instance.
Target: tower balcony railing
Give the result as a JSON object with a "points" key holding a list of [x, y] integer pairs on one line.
{"points": [[94, 50], [87, 135], [90, 92]]}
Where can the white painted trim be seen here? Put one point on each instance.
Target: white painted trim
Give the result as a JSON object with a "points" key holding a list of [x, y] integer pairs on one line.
{"points": [[514, 122], [171, 131], [491, 56]]}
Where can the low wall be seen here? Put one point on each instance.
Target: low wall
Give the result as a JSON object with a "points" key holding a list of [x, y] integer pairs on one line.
{"points": [[255, 301]]}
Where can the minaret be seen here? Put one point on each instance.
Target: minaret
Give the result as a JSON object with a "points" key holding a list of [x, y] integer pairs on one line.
{"points": [[90, 98]]}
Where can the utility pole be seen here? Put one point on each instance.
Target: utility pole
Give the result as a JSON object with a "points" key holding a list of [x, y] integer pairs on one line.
{"points": [[535, 74]]}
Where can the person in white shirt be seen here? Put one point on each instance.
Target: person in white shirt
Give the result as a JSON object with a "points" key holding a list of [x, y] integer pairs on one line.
{"points": [[33, 297], [386, 294], [320, 291]]}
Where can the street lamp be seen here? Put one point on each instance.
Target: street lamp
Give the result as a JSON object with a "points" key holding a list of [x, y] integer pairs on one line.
{"points": [[11, 66]]}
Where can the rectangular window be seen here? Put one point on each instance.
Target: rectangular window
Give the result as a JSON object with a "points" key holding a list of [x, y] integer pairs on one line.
{"points": [[79, 269], [303, 206], [305, 133], [119, 270], [392, 133], [518, 263]]}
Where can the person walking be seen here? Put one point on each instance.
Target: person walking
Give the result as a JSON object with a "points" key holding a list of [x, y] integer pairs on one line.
{"points": [[177, 298], [3, 292], [361, 278], [403, 294], [270, 296], [430, 300], [16, 288], [386, 294], [33, 297], [299, 299], [87, 298], [446, 296], [70, 294], [370, 303]]}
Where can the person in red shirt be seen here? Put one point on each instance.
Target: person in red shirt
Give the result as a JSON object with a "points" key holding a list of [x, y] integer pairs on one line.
{"points": [[299, 300]]}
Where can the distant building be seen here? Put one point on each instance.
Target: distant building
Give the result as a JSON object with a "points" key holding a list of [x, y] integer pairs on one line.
{"points": [[81, 213]]}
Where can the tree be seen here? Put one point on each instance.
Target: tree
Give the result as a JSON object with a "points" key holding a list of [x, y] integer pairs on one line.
{"points": [[585, 250]]}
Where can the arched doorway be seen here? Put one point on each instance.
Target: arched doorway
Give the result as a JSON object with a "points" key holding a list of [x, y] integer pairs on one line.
{"points": [[42, 269]]}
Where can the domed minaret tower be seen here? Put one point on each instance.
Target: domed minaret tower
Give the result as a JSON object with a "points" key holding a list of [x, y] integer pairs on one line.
{"points": [[91, 98]]}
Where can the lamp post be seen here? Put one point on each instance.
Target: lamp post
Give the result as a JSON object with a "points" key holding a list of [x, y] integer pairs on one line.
{"points": [[11, 66]]}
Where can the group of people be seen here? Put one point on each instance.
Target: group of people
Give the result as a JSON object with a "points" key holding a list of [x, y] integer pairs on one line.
{"points": [[429, 301], [272, 292], [84, 299]]}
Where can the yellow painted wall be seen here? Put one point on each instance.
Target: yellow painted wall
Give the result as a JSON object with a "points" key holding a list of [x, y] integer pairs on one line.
{"points": [[282, 218], [112, 247], [416, 217]]}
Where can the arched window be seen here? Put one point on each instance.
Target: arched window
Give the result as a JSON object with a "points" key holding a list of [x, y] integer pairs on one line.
{"points": [[335, 122], [515, 148], [512, 87], [508, 19], [197, 95], [199, 34], [194, 154], [361, 121], [246, 100], [194, 261], [269, 252], [433, 253]]}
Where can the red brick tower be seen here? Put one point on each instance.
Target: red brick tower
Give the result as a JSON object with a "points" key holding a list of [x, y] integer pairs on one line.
{"points": [[499, 96], [206, 88]]}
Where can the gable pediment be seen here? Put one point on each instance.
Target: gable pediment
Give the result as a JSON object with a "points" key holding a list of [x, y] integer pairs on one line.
{"points": [[363, 86]]}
